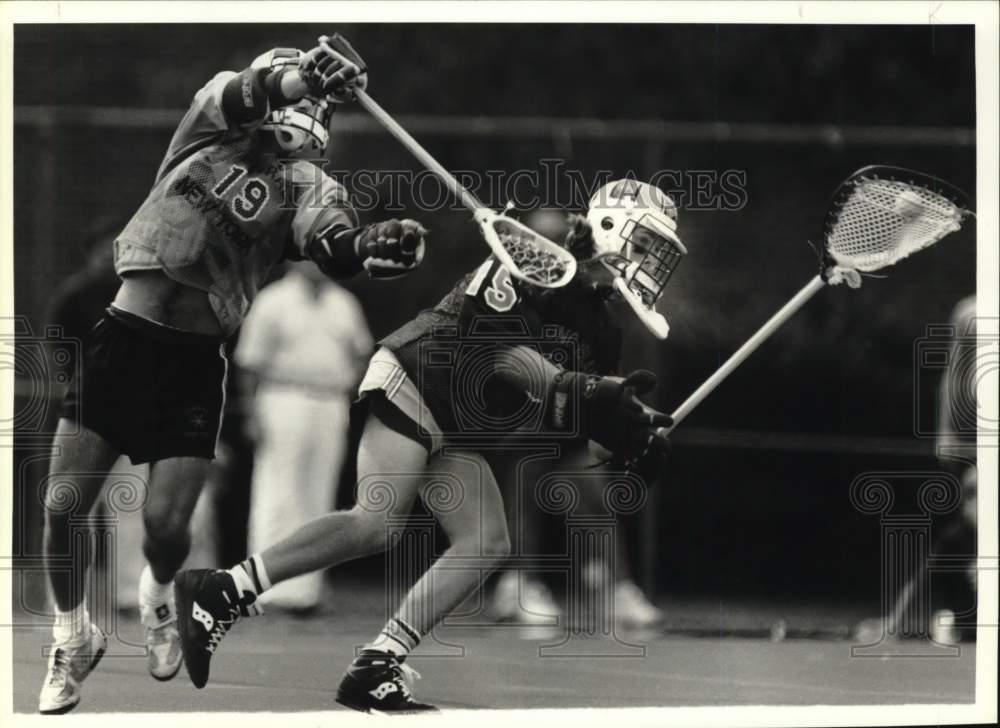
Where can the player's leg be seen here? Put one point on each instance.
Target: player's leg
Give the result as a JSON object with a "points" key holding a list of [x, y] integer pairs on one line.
{"points": [[390, 471], [177, 380], [174, 487], [470, 510], [80, 459]]}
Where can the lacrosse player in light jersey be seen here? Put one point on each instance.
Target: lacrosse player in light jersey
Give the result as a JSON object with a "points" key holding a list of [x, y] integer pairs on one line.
{"points": [[235, 194], [413, 410]]}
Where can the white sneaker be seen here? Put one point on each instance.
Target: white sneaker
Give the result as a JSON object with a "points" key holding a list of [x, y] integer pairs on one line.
{"points": [[69, 664], [534, 604], [943, 628], [632, 608], [163, 640]]}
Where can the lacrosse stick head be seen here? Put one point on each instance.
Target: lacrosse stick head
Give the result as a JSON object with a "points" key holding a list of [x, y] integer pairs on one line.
{"points": [[528, 256], [880, 215]]}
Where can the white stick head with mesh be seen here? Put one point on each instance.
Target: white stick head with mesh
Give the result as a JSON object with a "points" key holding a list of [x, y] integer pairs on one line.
{"points": [[525, 253], [880, 215]]}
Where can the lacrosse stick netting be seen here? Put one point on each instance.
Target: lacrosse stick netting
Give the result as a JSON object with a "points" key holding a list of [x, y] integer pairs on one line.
{"points": [[877, 217], [881, 215], [526, 255], [529, 255]]}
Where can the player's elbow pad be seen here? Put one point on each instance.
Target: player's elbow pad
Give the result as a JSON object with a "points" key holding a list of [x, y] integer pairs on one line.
{"points": [[245, 97], [335, 253]]}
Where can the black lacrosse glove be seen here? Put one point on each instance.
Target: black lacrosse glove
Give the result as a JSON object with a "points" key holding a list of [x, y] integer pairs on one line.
{"points": [[392, 248], [607, 410], [333, 69]]}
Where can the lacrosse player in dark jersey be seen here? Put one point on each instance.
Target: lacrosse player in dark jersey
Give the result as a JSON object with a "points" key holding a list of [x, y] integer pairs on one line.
{"points": [[532, 357], [236, 193]]}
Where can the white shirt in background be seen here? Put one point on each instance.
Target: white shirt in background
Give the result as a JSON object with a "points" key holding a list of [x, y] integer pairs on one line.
{"points": [[292, 336]]}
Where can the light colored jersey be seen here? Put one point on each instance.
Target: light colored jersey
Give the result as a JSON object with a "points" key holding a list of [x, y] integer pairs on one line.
{"points": [[222, 212]]}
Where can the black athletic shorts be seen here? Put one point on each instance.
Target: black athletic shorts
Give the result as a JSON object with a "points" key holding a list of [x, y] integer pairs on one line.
{"points": [[153, 392]]}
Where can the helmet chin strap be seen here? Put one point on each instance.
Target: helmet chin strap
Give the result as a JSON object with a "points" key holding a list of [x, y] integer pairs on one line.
{"points": [[652, 319]]}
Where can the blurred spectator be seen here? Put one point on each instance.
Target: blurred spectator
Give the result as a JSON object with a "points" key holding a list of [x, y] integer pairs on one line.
{"points": [[956, 450], [950, 616], [301, 353]]}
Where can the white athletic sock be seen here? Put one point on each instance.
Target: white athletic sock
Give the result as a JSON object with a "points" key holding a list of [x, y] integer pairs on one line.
{"points": [[156, 600], [251, 576], [71, 626], [396, 637]]}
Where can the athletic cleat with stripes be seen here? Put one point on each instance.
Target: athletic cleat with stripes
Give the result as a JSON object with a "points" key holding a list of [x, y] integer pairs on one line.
{"points": [[378, 682], [208, 605], [69, 664]]}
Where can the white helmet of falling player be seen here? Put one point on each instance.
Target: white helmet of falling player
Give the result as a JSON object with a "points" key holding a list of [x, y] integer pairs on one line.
{"points": [[634, 226], [304, 125]]}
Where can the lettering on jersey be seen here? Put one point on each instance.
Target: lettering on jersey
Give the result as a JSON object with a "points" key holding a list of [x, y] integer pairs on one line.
{"points": [[478, 278], [500, 295], [215, 210], [251, 198], [229, 180], [248, 203]]}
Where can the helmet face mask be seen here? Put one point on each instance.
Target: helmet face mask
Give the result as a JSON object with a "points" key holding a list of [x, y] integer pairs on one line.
{"points": [[647, 258], [300, 127], [635, 236]]}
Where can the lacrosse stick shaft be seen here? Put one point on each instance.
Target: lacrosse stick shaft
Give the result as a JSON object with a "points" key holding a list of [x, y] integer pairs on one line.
{"points": [[383, 117], [772, 325]]}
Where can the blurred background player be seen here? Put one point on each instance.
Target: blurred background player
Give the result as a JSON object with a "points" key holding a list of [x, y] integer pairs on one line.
{"points": [[299, 372], [951, 613], [414, 409], [520, 595], [953, 609], [226, 206]]}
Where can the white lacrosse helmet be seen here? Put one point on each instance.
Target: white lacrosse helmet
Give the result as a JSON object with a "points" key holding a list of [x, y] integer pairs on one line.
{"points": [[300, 126], [634, 225]]}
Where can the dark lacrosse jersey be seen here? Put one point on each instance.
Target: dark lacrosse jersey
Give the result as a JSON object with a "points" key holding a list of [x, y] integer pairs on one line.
{"points": [[449, 350], [222, 212]]}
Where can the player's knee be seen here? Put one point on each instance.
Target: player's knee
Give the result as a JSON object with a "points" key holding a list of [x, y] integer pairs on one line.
{"points": [[165, 529], [64, 500]]}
